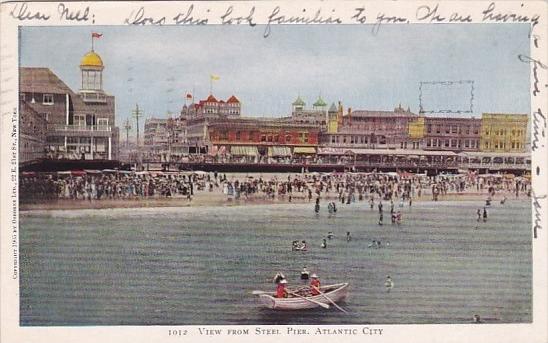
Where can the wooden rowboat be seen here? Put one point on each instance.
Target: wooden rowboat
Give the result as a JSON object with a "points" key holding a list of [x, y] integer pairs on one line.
{"points": [[336, 292]]}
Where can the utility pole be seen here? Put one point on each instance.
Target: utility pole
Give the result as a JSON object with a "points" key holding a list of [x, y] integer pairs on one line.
{"points": [[127, 126], [137, 113]]}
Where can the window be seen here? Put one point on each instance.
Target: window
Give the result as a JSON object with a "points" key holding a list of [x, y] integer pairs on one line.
{"points": [[429, 142], [79, 120], [22, 96], [238, 135], [454, 129], [332, 139], [47, 99], [223, 135], [102, 122], [263, 138], [288, 138]]}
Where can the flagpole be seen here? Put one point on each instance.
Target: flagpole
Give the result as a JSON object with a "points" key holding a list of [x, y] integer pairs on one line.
{"points": [[210, 85], [92, 42]]}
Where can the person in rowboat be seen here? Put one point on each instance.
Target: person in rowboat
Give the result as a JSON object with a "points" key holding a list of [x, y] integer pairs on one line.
{"points": [[315, 285], [281, 292], [278, 278]]}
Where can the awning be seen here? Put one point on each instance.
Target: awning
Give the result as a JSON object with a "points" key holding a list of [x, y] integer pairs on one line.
{"points": [[304, 150], [239, 150], [331, 151], [279, 151]]}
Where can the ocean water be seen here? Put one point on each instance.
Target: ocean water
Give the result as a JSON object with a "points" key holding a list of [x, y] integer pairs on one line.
{"points": [[196, 266]]}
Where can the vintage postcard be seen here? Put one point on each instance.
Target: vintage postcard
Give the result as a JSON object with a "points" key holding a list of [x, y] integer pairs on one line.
{"points": [[274, 171]]}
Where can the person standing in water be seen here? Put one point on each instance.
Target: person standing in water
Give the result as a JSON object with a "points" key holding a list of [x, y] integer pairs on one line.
{"points": [[324, 243], [389, 284]]}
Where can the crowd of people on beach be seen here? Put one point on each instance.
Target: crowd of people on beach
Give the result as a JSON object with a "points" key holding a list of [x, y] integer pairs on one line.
{"points": [[345, 188]]}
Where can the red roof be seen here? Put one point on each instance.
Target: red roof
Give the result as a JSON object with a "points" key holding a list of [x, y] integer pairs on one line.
{"points": [[211, 98], [233, 99]]}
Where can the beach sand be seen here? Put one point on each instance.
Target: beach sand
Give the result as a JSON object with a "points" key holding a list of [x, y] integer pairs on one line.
{"points": [[218, 199]]}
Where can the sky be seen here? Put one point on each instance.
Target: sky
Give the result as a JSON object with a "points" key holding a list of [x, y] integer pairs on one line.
{"points": [[156, 66]]}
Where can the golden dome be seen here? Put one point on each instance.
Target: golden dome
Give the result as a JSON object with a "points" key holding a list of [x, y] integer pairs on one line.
{"points": [[91, 59]]}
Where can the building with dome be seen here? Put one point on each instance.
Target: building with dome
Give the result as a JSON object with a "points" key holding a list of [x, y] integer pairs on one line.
{"points": [[79, 124], [316, 115]]}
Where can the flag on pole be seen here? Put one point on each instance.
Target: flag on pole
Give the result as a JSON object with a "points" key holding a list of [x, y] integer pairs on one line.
{"points": [[214, 77], [93, 36]]}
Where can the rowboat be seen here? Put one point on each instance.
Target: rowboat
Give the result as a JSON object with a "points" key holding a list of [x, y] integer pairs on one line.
{"points": [[336, 292]]}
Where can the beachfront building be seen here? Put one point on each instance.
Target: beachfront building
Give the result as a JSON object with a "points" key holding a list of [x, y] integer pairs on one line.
{"points": [[156, 132], [80, 125], [252, 139], [447, 133], [32, 134], [213, 108], [503, 132], [369, 129], [316, 115]]}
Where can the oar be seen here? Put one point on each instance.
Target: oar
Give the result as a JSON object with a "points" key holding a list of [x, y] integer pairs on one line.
{"points": [[326, 306], [330, 300]]}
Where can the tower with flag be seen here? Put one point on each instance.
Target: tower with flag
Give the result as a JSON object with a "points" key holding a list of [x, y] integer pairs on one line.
{"points": [[91, 67]]}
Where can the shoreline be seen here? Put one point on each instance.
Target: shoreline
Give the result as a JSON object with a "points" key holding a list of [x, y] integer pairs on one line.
{"points": [[220, 200]]}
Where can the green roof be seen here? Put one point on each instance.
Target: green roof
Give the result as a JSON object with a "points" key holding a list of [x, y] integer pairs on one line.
{"points": [[320, 102], [298, 102]]}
